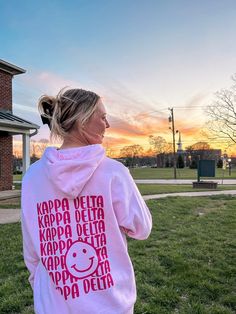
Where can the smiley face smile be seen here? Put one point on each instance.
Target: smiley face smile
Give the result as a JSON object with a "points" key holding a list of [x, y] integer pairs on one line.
{"points": [[81, 271]]}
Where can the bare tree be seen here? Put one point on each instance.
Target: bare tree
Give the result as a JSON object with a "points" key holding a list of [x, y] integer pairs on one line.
{"points": [[199, 146], [169, 148], [159, 143], [37, 148], [200, 150], [43, 144], [161, 148], [110, 152], [149, 152], [222, 114], [131, 151]]}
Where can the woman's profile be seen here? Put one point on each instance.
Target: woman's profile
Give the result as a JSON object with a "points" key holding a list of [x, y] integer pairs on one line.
{"points": [[78, 206]]}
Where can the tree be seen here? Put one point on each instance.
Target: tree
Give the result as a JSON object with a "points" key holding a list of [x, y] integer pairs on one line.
{"points": [[161, 148], [158, 143], [199, 146], [180, 162], [110, 152], [43, 144], [132, 153], [149, 152], [222, 114], [37, 148], [193, 164], [199, 151], [219, 163]]}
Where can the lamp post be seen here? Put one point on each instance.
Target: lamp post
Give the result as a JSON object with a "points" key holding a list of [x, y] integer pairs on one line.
{"points": [[229, 164], [190, 160]]}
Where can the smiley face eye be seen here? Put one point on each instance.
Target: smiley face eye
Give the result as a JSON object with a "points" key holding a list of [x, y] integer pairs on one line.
{"points": [[74, 255], [84, 251]]}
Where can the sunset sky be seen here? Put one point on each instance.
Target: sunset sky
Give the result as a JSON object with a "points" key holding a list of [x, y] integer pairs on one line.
{"points": [[141, 57]]}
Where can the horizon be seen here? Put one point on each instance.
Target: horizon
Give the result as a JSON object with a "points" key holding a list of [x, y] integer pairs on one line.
{"points": [[37, 148]]}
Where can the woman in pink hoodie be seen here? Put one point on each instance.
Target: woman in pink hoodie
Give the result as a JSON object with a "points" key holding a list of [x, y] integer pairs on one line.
{"points": [[78, 206]]}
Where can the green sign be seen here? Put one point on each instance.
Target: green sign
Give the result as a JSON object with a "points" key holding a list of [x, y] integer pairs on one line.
{"points": [[206, 168]]}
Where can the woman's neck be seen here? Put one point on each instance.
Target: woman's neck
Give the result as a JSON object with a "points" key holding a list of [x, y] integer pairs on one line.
{"points": [[71, 143]]}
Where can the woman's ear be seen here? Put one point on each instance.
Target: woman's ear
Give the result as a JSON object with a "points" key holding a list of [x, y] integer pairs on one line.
{"points": [[78, 127]]}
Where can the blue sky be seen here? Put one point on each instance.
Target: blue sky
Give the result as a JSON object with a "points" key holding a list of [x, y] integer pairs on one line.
{"points": [[140, 56]]}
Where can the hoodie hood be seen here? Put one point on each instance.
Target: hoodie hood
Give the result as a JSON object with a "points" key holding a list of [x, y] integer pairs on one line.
{"points": [[70, 169]]}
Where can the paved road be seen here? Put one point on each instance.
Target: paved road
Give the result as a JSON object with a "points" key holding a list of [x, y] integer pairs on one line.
{"points": [[182, 181], [8, 216], [203, 193], [9, 194], [176, 181], [13, 215]]}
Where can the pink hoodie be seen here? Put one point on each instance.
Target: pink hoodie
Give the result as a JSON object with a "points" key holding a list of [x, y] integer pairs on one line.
{"points": [[77, 207]]}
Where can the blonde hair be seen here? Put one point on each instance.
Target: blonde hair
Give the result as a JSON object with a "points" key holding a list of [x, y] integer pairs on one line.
{"points": [[61, 112]]}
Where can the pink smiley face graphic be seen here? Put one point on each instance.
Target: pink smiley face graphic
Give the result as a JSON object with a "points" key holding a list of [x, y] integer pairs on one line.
{"points": [[81, 259]]}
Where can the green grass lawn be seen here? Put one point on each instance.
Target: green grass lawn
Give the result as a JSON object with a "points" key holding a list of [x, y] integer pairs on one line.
{"points": [[168, 173], [16, 205], [17, 177], [187, 265], [148, 189], [17, 186]]}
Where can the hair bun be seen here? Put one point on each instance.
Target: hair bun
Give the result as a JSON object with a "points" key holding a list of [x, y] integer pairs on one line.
{"points": [[46, 107]]}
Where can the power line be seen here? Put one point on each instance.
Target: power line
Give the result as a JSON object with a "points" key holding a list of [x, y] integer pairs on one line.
{"points": [[180, 107]]}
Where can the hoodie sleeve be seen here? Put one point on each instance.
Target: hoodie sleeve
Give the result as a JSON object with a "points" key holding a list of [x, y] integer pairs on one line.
{"points": [[131, 210], [31, 258]]}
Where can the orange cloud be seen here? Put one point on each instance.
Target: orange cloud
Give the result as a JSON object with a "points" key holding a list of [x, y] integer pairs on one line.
{"points": [[116, 141], [138, 125], [136, 128]]}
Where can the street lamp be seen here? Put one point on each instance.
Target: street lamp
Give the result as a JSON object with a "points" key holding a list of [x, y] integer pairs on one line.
{"points": [[229, 164], [190, 160]]}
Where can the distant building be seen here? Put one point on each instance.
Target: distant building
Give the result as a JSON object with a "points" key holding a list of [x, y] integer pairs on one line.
{"points": [[189, 156], [11, 125], [209, 154]]}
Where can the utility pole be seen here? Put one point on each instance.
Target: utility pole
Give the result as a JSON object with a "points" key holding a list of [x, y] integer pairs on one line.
{"points": [[172, 128]]}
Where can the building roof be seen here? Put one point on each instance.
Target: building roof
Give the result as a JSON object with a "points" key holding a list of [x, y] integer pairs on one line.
{"points": [[13, 124], [10, 68]]}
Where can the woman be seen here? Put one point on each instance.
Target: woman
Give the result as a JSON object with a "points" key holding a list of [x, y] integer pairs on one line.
{"points": [[77, 208]]}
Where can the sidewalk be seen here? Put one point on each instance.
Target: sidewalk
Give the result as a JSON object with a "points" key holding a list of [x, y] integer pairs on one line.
{"points": [[203, 193], [13, 215], [9, 194], [183, 181], [8, 216]]}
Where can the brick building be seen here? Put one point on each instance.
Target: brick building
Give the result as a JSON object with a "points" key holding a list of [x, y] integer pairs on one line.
{"points": [[11, 125]]}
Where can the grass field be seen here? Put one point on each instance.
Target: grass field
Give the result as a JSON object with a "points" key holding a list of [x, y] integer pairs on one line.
{"points": [[12, 205], [17, 177], [187, 265], [168, 173], [145, 189]]}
